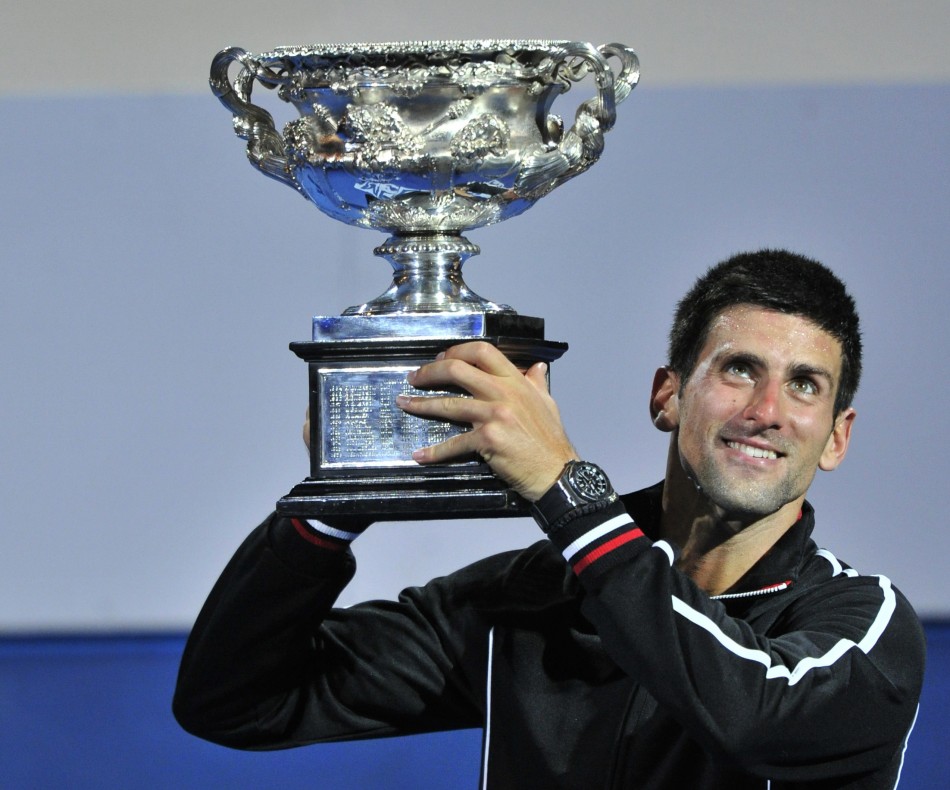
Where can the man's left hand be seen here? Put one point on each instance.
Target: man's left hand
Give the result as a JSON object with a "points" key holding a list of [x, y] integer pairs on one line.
{"points": [[516, 426]]}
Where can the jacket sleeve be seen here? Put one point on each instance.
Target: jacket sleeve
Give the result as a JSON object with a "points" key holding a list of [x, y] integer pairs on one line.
{"points": [[829, 690], [270, 663]]}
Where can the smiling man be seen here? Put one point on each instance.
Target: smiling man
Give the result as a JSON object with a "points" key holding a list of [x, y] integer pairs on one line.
{"points": [[753, 420], [690, 635]]}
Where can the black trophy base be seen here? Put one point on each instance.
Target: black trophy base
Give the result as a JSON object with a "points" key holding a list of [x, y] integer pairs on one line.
{"points": [[361, 443], [407, 498]]}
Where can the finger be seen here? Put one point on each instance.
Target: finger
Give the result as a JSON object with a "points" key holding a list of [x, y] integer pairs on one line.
{"points": [[454, 372], [537, 374], [483, 356], [476, 367], [474, 356], [454, 448], [448, 408]]}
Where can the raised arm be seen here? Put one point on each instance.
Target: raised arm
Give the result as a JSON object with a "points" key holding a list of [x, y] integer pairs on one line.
{"points": [[270, 663]]}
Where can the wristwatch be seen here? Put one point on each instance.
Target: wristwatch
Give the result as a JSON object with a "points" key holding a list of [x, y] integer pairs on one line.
{"points": [[582, 488]]}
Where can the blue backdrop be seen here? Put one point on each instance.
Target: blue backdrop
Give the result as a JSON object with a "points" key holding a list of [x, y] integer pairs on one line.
{"points": [[95, 712]]}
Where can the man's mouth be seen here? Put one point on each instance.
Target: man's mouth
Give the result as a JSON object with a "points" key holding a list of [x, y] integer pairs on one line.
{"points": [[753, 452]]}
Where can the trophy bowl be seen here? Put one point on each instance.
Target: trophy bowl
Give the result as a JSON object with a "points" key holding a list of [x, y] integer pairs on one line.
{"points": [[424, 141]]}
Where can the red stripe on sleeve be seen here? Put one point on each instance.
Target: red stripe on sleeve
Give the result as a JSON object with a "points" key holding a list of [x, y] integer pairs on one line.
{"points": [[310, 537], [606, 548]]}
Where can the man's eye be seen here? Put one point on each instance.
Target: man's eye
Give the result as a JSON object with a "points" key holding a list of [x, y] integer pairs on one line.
{"points": [[804, 386], [739, 369]]}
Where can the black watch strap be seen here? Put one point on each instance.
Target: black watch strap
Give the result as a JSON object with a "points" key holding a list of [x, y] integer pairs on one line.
{"points": [[582, 488]]}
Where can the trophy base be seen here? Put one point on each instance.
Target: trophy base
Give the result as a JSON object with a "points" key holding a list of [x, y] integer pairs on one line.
{"points": [[410, 497], [361, 443]]}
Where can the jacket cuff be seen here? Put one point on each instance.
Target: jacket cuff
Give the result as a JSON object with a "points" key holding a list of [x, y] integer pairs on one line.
{"points": [[594, 543], [304, 549]]}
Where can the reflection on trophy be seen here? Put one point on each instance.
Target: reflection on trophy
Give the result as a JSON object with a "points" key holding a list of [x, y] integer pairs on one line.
{"points": [[422, 141]]}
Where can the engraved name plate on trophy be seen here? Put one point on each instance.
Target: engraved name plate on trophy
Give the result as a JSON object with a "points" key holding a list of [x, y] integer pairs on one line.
{"points": [[422, 141]]}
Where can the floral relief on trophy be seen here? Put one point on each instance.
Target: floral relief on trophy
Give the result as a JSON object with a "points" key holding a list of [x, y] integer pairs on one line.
{"points": [[421, 138]]}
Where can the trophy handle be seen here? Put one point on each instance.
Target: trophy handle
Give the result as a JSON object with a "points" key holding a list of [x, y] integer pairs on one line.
{"points": [[265, 146], [582, 145], [629, 74]]}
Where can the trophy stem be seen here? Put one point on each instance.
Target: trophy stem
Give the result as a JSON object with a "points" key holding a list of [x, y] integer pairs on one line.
{"points": [[427, 278]]}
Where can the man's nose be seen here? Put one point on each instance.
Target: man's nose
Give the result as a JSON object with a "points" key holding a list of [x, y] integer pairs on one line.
{"points": [[765, 404]]}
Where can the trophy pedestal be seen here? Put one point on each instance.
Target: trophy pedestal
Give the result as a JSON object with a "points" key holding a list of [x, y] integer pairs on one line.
{"points": [[361, 443]]}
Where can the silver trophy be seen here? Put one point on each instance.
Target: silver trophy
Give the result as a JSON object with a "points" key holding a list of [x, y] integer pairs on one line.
{"points": [[422, 141]]}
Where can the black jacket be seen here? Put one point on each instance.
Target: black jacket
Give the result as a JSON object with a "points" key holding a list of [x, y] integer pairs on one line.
{"points": [[622, 674]]}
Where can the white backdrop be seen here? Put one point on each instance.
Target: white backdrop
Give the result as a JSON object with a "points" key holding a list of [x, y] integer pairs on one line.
{"points": [[150, 281]]}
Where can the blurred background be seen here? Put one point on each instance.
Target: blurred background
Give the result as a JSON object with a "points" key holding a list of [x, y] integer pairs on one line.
{"points": [[151, 279]]}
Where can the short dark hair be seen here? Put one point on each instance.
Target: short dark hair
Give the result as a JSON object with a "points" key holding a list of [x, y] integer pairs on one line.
{"points": [[776, 280]]}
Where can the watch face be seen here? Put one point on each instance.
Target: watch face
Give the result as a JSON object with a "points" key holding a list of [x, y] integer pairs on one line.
{"points": [[589, 481]]}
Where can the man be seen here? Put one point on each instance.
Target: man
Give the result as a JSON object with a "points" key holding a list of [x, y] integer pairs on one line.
{"points": [[687, 636]]}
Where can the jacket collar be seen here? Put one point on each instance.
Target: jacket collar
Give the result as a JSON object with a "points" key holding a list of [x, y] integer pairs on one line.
{"points": [[781, 564]]}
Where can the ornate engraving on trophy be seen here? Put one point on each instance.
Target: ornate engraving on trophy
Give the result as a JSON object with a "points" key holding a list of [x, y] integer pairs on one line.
{"points": [[361, 430], [426, 139]]}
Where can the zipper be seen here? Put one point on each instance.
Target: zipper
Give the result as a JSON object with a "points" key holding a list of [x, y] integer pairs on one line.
{"points": [[772, 588]]}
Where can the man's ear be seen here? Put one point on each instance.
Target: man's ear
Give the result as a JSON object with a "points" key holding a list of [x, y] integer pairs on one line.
{"points": [[837, 444], [664, 399]]}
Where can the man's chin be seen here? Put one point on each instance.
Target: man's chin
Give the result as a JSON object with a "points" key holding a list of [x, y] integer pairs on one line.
{"points": [[749, 507], [741, 497]]}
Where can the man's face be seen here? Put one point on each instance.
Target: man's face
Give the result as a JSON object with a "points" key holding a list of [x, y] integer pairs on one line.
{"points": [[756, 418]]}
